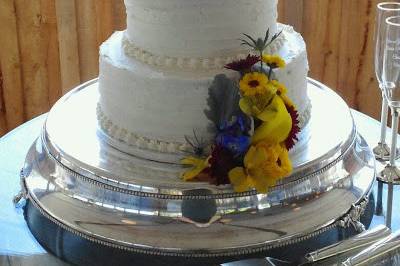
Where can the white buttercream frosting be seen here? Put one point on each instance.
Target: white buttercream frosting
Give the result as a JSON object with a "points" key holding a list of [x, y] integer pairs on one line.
{"points": [[142, 142], [191, 63], [154, 108], [197, 28]]}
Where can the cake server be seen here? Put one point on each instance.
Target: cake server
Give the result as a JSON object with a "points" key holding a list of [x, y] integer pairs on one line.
{"points": [[349, 246], [384, 252]]}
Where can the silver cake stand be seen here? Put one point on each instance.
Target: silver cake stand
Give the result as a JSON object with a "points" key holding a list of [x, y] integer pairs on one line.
{"points": [[87, 199]]}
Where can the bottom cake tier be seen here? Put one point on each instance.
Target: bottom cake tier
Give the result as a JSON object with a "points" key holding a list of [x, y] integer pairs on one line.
{"points": [[118, 209]]}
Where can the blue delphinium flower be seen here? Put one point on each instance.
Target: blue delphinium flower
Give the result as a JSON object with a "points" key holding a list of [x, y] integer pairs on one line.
{"points": [[234, 136], [238, 145]]}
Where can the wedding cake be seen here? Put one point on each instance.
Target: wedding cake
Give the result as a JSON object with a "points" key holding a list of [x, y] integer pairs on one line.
{"points": [[198, 144], [155, 76]]}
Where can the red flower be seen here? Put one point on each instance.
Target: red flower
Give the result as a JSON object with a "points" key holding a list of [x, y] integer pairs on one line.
{"points": [[243, 64], [221, 161], [292, 138]]}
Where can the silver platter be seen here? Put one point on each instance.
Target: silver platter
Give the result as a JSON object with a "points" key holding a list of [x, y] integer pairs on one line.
{"points": [[106, 196]]}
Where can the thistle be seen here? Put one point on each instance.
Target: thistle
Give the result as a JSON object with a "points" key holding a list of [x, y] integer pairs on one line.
{"points": [[199, 145], [260, 44]]}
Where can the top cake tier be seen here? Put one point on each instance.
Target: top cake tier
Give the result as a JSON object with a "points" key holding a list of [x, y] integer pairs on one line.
{"points": [[197, 28]]}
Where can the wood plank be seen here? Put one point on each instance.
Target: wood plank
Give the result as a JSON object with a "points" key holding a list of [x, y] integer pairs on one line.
{"points": [[339, 37], [322, 36], [291, 13], [349, 50], [3, 121], [68, 44], [368, 98], [49, 25], [119, 15], [87, 36], [353, 47], [33, 57], [105, 22], [10, 64]]}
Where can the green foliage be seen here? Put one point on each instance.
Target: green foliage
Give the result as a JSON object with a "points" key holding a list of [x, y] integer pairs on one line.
{"points": [[260, 44]]}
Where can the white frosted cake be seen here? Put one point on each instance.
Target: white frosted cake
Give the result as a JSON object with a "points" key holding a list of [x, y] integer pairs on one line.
{"points": [[155, 76]]}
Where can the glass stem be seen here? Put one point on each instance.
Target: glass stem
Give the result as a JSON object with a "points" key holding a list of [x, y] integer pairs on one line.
{"points": [[378, 208], [389, 208], [395, 127], [384, 118]]}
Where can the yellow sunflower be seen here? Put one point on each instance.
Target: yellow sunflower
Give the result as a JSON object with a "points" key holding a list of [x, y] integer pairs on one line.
{"points": [[254, 83], [273, 61]]}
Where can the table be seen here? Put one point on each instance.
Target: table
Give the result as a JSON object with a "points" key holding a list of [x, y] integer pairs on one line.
{"points": [[19, 247]]}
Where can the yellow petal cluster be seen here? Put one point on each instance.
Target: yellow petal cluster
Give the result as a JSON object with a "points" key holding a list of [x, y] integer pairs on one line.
{"points": [[267, 160], [255, 105], [264, 165], [254, 83], [198, 166], [273, 61]]}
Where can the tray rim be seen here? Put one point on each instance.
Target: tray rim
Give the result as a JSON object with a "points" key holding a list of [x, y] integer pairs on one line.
{"points": [[346, 220]]}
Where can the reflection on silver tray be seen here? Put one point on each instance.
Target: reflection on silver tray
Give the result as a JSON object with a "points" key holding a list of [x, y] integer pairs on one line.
{"points": [[84, 185]]}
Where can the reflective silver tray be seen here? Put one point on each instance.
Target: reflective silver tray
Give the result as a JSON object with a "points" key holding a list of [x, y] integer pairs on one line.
{"points": [[95, 191]]}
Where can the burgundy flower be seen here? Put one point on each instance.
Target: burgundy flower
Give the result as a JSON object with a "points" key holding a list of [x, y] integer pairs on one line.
{"points": [[243, 64], [221, 161], [292, 138]]}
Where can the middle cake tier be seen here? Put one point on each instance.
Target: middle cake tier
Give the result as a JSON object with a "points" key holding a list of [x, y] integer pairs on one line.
{"points": [[149, 105]]}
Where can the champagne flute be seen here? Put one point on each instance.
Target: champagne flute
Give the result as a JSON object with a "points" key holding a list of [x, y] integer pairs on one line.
{"points": [[391, 81], [384, 10], [391, 87]]}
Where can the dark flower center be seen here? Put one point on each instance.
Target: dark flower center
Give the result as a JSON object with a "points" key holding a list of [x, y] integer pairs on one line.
{"points": [[254, 83]]}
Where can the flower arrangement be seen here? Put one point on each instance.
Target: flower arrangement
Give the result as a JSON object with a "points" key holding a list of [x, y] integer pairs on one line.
{"points": [[255, 125]]}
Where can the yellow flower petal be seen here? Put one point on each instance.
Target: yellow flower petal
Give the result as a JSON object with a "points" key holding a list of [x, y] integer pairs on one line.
{"points": [[261, 184], [288, 101], [270, 113], [253, 83], [274, 60], [281, 89], [278, 164], [265, 164], [282, 92], [286, 164], [254, 105], [260, 156], [191, 161], [191, 174], [248, 158], [198, 166], [277, 125], [239, 180], [246, 106]]}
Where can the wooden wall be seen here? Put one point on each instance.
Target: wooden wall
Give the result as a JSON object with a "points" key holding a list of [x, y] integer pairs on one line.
{"points": [[49, 46]]}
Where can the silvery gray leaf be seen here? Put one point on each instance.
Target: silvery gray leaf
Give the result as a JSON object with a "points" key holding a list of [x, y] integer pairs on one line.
{"points": [[223, 100]]}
